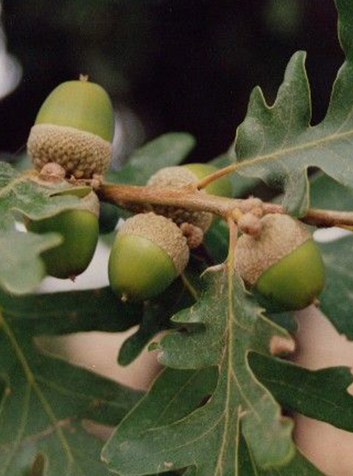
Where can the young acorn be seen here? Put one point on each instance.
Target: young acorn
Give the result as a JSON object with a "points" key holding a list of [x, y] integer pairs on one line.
{"points": [[79, 230], [74, 128], [282, 263], [178, 177], [149, 252]]}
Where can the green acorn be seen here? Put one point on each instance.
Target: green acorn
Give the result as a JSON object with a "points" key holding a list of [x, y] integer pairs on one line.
{"points": [[283, 263], [79, 230], [149, 252], [178, 177], [74, 128]]}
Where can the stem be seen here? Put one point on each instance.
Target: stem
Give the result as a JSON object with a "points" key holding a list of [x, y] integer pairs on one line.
{"points": [[194, 293], [189, 198], [317, 217], [214, 176]]}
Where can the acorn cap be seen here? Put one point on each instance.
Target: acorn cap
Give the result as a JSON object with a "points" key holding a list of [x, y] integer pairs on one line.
{"points": [[178, 177], [280, 235], [161, 231], [80, 153]]}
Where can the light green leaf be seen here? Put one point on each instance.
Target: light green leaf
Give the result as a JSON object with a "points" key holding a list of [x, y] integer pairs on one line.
{"points": [[328, 194], [21, 268], [277, 143]]}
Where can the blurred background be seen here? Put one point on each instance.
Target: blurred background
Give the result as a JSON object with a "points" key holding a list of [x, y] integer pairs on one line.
{"points": [[169, 65]]}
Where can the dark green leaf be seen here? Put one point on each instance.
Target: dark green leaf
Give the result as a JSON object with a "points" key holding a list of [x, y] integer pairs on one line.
{"points": [[285, 320], [337, 299], [216, 240], [299, 465], [320, 394], [43, 403], [277, 143], [156, 318], [174, 394], [108, 217], [223, 327], [67, 312]]}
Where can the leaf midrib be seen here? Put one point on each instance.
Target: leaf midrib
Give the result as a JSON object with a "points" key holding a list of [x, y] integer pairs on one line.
{"points": [[11, 185], [278, 153], [33, 384]]}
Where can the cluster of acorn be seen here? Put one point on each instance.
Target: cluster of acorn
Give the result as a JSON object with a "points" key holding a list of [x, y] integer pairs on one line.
{"points": [[275, 255]]}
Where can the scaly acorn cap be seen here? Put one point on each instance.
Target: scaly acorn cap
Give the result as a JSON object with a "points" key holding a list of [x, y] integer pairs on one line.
{"points": [[161, 231], [80, 153], [74, 128], [177, 177], [280, 235]]}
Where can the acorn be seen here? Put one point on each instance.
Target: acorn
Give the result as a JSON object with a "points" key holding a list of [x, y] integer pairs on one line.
{"points": [[79, 230], [283, 263], [74, 128], [149, 252], [180, 176]]}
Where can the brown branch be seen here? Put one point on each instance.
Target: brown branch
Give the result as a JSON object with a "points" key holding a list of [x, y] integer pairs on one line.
{"points": [[189, 198], [125, 195], [317, 217]]}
